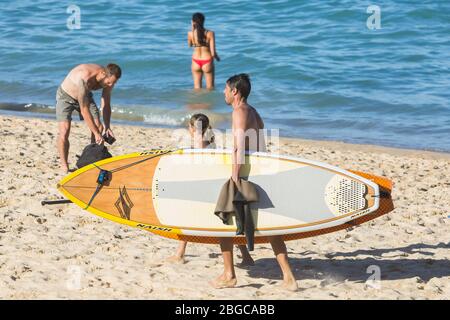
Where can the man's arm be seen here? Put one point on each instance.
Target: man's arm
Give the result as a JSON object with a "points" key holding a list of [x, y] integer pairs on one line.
{"points": [[106, 110], [239, 118], [83, 101]]}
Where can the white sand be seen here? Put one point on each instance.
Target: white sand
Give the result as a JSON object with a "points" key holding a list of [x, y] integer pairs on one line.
{"points": [[43, 249]]}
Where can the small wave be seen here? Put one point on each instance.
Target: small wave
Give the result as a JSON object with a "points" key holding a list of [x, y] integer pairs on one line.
{"points": [[27, 107], [158, 119], [162, 116]]}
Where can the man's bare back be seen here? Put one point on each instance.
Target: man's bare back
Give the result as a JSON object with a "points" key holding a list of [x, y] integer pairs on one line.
{"points": [[83, 72]]}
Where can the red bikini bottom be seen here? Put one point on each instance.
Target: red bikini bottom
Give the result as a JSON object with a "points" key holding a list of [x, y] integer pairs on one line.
{"points": [[201, 63]]}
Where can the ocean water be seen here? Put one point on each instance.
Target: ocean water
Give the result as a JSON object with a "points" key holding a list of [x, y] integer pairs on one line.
{"points": [[318, 71]]}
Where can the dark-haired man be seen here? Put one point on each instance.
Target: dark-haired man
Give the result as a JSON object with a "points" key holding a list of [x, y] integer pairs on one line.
{"points": [[247, 135], [74, 93]]}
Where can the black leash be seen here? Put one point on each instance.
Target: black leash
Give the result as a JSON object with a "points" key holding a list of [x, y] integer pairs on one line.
{"points": [[103, 177]]}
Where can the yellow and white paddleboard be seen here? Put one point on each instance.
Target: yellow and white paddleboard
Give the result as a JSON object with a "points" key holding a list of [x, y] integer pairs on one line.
{"points": [[173, 193]]}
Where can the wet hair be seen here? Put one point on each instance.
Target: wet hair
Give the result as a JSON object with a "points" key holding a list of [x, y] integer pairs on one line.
{"points": [[199, 20], [207, 133], [113, 70], [240, 82]]}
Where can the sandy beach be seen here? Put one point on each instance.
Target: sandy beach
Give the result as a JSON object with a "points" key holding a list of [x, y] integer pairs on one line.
{"points": [[64, 252]]}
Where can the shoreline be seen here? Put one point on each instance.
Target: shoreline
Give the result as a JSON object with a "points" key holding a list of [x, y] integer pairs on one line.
{"points": [[308, 142], [63, 252], [426, 154]]}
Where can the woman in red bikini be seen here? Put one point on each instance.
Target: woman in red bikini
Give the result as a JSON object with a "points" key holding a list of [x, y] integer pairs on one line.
{"points": [[204, 53]]}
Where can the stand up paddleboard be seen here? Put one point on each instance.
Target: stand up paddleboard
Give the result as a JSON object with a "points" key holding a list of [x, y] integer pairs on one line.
{"points": [[173, 193]]}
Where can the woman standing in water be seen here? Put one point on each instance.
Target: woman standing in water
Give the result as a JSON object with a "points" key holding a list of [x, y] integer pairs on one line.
{"points": [[204, 53]]}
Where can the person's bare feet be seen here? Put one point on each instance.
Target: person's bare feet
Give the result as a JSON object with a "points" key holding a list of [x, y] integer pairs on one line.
{"points": [[290, 285], [176, 260], [67, 170], [223, 281]]}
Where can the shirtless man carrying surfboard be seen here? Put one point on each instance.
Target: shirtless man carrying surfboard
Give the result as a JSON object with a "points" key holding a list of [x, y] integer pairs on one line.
{"points": [[74, 93], [247, 123]]}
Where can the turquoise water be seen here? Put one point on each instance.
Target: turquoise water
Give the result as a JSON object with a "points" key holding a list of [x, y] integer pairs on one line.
{"points": [[318, 72]]}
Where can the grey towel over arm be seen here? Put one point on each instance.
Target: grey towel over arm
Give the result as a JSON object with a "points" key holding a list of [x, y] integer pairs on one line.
{"points": [[236, 198]]}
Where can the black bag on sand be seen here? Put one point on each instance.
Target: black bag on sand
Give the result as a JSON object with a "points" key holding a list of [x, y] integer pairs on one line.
{"points": [[92, 153]]}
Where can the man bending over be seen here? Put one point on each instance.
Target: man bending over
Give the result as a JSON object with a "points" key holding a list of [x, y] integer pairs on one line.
{"points": [[75, 93]]}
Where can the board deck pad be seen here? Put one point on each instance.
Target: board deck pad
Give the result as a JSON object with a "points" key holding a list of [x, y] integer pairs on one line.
{"points": [[173, 193]]}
